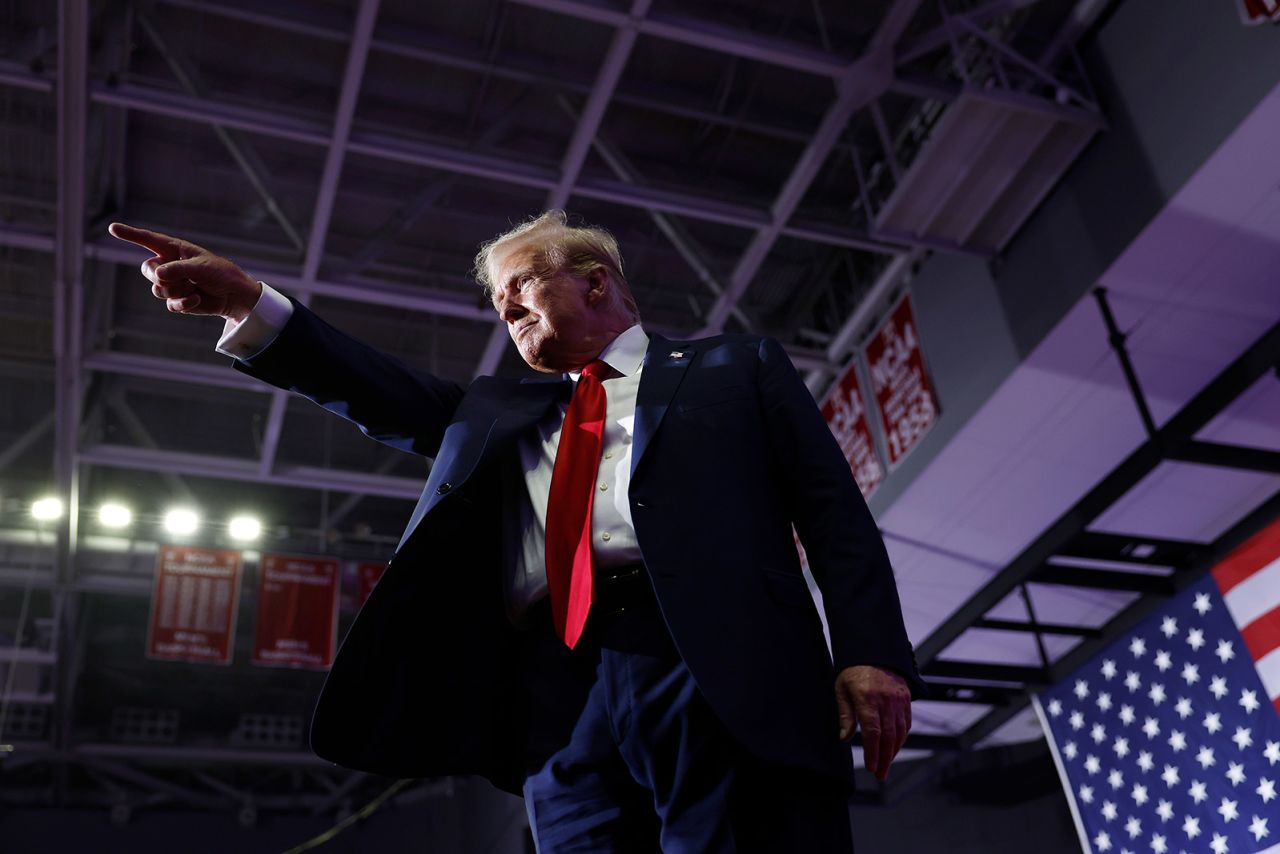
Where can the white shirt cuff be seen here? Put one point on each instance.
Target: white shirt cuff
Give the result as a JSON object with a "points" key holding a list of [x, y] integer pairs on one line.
{"points": [[248, 338]]}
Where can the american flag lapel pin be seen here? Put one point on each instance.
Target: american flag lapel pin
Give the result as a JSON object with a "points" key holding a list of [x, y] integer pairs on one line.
{"points": [[676, 354]]}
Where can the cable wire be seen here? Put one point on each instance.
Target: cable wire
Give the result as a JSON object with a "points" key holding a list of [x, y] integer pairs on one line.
{"points": [[364, 812]]}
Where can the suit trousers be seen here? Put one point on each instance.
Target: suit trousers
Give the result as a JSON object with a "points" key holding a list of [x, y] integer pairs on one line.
{"points": [[626, 755]]}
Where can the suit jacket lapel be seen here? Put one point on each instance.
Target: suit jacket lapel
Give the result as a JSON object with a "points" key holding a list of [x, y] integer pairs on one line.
{"points": [[524, 408], [516, 411], [664, 367]]}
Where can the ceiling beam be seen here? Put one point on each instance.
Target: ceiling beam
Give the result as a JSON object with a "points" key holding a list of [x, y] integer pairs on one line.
{"points": [[1036, 628], [353, 75], [247, 471], [19, 446], [311, 131], [857, 85], [705, 35], [1259, 360], [171, 370], [1132, 549], [72, 106], [606, 83], [985, 671], [1104, 579], [419, 46], [1228, 456], [254, 171]]}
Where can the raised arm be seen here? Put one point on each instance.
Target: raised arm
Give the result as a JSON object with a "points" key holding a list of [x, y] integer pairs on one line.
{"points": [[387, 400]]}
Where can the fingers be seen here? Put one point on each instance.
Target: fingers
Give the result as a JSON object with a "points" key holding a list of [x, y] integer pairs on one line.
{"points": [[175, 290], [845, 708], [888, 747], [869, 722], [179, 271], [184, 304], [162, 244]]}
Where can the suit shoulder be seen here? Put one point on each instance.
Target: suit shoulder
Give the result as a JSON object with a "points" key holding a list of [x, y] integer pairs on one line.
{"points": [[735, 341]]}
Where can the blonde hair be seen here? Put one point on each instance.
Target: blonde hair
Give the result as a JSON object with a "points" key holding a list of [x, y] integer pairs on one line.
{"points": [[559, 247]]}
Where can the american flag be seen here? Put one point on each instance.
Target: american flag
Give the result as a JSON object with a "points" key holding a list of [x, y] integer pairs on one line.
{"points": [[1169, 740]]}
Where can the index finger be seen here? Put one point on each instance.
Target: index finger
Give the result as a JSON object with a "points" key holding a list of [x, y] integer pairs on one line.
{"points": [[161, 244]]}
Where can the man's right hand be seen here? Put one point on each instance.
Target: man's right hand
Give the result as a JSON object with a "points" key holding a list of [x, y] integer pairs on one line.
{"points": [[190, 279]]}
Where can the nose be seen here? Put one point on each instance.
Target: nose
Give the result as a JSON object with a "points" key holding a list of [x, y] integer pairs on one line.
{"points": [[511, 311]]}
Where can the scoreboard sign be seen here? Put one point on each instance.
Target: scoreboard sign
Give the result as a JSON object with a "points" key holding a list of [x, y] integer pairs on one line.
{"points": [[194, 597], [297, 612], [900, 385]]}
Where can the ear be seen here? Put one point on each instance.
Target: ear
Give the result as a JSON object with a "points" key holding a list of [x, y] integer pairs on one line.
{"points": [[598, 285]]}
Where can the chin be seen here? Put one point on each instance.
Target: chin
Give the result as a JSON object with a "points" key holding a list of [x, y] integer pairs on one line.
{"points": [[535, 361]]}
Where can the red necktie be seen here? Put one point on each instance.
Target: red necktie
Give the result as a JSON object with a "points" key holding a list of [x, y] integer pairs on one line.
{"points": [[573, 484]]}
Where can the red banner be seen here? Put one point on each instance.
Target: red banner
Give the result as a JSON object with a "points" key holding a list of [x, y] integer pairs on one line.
{"points": [[297, 612], [367, 575], [193, 604], [899, 382], [847, 417]]}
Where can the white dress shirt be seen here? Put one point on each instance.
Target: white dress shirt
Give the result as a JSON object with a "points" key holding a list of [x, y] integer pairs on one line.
{"points": [[613, 534]]}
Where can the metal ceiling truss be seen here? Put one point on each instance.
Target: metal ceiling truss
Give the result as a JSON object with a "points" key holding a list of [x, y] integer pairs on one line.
{"points": [[130, 779], [1157, 567]]}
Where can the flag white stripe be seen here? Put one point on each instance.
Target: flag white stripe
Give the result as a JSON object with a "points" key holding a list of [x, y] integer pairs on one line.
{"points": [[1256, 595], [1274, 849], [1085, 844], [1269, 672]]}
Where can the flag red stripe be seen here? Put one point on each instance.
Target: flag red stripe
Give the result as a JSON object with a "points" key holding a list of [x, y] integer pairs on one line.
{"points": [[1263, 634], [1252, 555]]}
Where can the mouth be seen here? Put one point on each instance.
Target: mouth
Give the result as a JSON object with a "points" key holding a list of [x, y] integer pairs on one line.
{"points": [[522, 330]]}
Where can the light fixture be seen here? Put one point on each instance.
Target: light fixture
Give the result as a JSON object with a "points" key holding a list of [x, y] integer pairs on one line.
{"points": [[112, 514], [47, 509], [181, 521], [244, 528]]}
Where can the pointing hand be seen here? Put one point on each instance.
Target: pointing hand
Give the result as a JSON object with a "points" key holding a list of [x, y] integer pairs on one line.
{"points": [[190, 279]]}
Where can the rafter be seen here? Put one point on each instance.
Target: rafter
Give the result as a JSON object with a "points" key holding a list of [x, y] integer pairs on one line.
{"points": [[857, 85], [357, 54]]}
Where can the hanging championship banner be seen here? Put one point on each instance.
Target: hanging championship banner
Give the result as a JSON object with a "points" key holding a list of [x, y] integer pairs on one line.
{"points": [[900, 383], [367, 575], [194, 597], [297, 612], [846, 415]]}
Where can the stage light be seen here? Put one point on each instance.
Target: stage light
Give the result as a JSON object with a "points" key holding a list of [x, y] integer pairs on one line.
{"points": [[181, 521], [244, 528], [114, 515], [47, 509]]}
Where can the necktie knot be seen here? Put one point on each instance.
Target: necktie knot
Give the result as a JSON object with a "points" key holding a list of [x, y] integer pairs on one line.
{"points": [[596, 369]]}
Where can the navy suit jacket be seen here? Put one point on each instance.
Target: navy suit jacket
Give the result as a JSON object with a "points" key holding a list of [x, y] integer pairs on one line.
{"points": [[729, 451]]}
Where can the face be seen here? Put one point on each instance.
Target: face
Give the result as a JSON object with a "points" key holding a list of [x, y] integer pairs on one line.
{"points": [[555, 319]]}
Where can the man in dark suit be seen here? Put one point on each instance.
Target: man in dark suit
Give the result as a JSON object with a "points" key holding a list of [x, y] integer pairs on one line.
{"points": [[598, 600]]}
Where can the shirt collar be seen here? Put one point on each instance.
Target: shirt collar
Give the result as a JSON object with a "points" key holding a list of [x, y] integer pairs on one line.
{"points": [[625, 354]]}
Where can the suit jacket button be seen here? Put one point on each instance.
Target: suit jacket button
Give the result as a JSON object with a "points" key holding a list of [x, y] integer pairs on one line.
{"points": [[443, 488]]}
